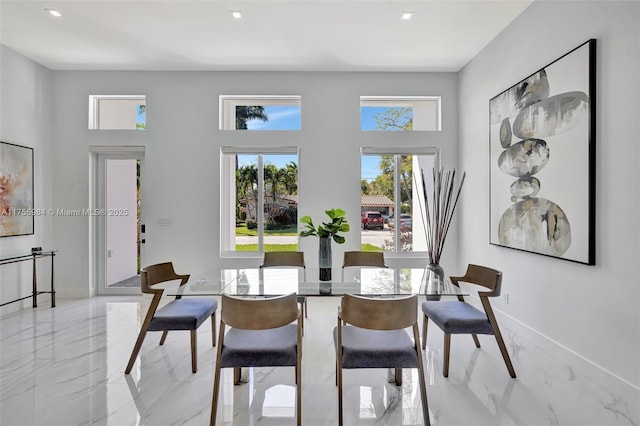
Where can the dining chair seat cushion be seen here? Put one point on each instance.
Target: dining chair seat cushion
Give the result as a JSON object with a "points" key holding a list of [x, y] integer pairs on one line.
{"points": [[183, 314], [455, 317], [260, 348], [364, 348]]}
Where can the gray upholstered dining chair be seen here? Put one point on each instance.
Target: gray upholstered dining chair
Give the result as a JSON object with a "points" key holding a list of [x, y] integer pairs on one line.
{"points": [[370, 334], [363, 258], [460, 317], [180, 314], [288, 258], [261, 335]]}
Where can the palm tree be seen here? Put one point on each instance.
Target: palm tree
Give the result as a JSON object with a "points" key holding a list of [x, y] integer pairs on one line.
{"points": [[247, 187], [246, 112], [290, 178]]}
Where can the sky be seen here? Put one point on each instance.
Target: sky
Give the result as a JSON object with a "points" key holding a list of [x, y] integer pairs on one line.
{"points": [[281, 117]]}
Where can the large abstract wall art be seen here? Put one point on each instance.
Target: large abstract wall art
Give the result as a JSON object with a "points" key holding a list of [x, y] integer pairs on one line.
{"points": [[542, 153], [16, 190]]}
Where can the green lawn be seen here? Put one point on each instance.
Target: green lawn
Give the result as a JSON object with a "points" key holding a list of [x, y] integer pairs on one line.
{"points": [[242, 230], [267, 247]]}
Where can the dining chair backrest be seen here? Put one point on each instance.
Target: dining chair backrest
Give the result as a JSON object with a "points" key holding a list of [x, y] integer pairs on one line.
{"points": [[482, 276], [283, 258], [380, 313], [363, 258], [159, 273], [259, 313]]}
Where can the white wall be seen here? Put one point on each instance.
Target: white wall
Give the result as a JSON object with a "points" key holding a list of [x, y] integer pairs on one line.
{"points": [[181, 171], [589, 310], [25, 119]]}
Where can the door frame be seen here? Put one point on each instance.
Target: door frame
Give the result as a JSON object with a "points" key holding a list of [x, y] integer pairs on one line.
{"points": [[98, 155]]}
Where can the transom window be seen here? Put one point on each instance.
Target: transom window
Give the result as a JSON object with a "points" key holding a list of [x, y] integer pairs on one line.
{"points": [[260, 112], [399, 113], [117, 112]]}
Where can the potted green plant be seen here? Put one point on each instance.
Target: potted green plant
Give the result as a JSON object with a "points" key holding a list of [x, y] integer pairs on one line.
{"points": [[326, 231]]}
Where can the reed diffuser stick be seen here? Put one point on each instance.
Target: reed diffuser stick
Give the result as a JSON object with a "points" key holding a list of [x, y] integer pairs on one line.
{"points": [[439, 213]]}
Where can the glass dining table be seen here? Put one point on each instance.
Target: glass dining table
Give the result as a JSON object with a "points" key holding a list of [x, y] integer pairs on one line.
{"points": [[273, 281]]}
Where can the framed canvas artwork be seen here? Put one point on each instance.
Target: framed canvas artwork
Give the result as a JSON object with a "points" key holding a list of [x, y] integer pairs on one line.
{"points": [[542, 154], [16, 190]]}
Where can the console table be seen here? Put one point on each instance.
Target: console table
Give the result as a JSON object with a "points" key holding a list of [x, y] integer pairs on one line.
{"points": [[35, 292]]}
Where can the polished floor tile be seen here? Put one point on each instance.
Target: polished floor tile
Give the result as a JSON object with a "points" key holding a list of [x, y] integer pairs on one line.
{"points": [[65, 366]]}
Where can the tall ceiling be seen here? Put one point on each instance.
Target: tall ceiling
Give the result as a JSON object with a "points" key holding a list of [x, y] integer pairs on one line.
{"points": [[272, 35]]}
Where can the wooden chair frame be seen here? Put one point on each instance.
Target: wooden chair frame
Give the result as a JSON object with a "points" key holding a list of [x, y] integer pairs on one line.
{"points": [[288, 258], [492, 280], [258, 314], [150, 276], [380, 314]]}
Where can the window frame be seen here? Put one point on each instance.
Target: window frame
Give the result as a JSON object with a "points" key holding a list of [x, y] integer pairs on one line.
{"points": [[228, 104], [228, 193], [398, 152]]}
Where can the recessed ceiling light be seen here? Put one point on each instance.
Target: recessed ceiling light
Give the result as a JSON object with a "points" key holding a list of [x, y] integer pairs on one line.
{"points": [[54, 12], [237, 14], [406, 16]]}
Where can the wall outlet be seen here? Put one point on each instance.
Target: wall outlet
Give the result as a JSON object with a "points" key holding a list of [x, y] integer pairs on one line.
{"points": [[109, 253], [506, 298]]}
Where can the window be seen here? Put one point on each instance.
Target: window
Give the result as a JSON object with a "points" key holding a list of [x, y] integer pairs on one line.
{"points": [[260, 112], [390, 182], [400, 113], [117, 112], [259, 199]]}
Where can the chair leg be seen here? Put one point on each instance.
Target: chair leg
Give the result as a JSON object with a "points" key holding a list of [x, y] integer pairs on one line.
{"points": [[339, 377], [505, 354], [475, 340], [164, 337], [194, 350], [298, 395], [302, 321], [306, 308], [216, 392], [237, 373], [136, 350], [398, 376], [213, 327], [423, 385], [447, 349], [425, 321]]}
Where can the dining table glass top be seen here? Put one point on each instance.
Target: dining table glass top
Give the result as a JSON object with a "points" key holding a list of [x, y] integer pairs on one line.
{"points": [[276, 281]]}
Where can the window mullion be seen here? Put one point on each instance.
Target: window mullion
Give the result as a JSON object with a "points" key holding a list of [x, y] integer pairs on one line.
{"points": [[397, 203], [260, 211]]}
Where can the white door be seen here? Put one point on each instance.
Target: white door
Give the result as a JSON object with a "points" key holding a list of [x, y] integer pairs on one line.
{"points": [[117, 226]]}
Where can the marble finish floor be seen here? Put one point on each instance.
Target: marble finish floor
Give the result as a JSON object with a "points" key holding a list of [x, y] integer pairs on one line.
{"points": [[65, 366]]}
